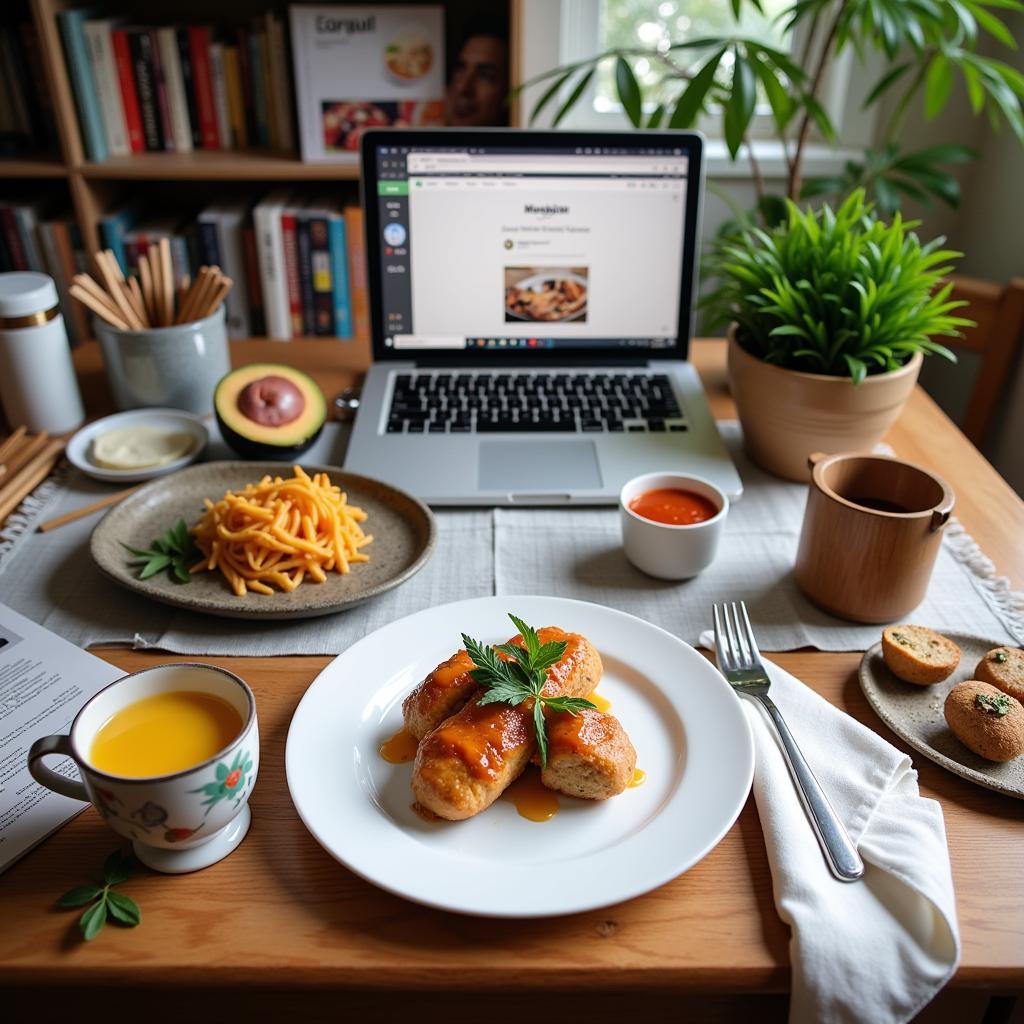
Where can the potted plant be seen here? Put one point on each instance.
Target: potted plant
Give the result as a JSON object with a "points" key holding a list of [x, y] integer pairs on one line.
{"points": [[829, 316]]}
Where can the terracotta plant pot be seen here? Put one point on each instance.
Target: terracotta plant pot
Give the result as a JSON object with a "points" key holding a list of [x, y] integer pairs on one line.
{"points": [[786, 415]]}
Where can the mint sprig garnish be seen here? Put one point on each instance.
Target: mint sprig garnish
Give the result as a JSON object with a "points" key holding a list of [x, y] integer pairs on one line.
{"points": [[104, 901], [521, 675], [173, 550]]}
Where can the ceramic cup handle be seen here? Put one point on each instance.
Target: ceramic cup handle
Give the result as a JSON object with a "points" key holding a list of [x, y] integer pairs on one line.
{"points": [[47, 776]]}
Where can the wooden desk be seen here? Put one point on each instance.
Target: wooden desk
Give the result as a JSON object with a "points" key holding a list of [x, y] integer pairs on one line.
{"points": [[287, 924]]}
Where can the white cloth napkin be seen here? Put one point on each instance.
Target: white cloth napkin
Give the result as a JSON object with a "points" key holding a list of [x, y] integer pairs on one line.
{"points": [[874, 950]]}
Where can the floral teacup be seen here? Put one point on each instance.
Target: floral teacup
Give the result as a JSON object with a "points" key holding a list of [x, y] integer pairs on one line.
{"points": [[178, 822]]}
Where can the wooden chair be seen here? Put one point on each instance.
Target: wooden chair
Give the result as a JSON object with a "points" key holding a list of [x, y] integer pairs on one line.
{"points": [[999, 313]]}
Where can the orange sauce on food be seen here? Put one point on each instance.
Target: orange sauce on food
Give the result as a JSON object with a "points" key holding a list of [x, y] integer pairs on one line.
{"points": [[639, 778], [400, 748], [532, 799], [673, 506], [603, 704]]}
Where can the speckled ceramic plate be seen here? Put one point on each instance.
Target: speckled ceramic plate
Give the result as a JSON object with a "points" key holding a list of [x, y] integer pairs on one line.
{"points": [[403, 530], [915, 714]]}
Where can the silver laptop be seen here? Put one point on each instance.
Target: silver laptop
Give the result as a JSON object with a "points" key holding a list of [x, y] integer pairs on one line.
{"points": [[530, 298]]}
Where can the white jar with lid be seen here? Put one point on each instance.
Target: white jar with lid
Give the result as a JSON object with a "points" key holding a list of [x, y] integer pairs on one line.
{"points": [[37, 379]]}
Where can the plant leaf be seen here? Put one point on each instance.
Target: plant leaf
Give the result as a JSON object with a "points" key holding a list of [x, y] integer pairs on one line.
{"points": [[540, 730], [689, 104], [938, 84], [93, 920], [123, 909], [550, 93], [740, 107], [529, 635], [117, 868], [628, 89], [574, 96], [549, 654], [885, 83], [572, 705], [508, 692], [80, 895], [154, 565]]}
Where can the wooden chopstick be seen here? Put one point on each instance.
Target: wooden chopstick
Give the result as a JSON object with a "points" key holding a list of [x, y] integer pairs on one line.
{"points": [[87, 510], [33, 473], [25, 452], [12, 442]]}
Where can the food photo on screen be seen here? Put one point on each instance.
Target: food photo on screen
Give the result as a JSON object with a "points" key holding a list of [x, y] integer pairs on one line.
{"points": [[546, 294]]}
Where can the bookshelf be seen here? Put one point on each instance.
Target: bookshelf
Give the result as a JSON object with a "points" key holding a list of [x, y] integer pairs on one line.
{"points": [[95, 187]]}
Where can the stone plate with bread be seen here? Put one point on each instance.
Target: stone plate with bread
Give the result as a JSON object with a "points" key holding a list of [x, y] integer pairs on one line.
{"points": [[985, 681]]}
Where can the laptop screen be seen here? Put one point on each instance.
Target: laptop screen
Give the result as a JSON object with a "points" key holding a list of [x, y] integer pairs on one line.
{"points": [[556, 244]]}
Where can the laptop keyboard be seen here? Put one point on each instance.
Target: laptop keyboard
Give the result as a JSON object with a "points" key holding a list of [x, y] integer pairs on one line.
{"points": [[497, 403]]}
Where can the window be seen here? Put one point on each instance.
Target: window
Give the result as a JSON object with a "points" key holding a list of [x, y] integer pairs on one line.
{"points": [[656, 24]]}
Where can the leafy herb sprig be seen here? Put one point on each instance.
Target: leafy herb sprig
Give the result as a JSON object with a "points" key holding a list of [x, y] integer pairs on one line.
{"points": [[522, 677], [998, 705], [104, 901], [173, 551]]}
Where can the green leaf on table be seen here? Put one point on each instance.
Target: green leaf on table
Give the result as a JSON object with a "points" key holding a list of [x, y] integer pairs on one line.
{"points": [[123, 909], [93, 920], [79, 896], [117, 868]]}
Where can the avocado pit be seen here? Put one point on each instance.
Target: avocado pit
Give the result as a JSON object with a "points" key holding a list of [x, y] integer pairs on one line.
{"points": [[271, 401]]}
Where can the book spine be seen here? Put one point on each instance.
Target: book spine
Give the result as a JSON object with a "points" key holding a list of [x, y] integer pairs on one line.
{"points": [[339, 277], [129, 94], [142, 65], [188, 79], [163, 100], [248, 93], [133, 251], [62, 271], [268, 84], [270, 243], [357, 272], [181, 131], [258, 89], [179, 258], [27, 221], [220, 95], [257, 319], [209, 244], [305, 261], [323, 284], [14, 248], [199, 44], [101, 52], [236, 105], [86, 100], [281, 84], [229, 232], [44, 120], [291, 268]]}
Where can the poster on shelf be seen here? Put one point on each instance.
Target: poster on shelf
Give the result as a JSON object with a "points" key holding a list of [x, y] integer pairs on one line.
{"points": [[364, 67]]}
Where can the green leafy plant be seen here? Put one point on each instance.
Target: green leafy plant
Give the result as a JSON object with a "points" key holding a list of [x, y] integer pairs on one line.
{"points": [[521, 675], [928, 45], [102, 900], [173, 551], [836, 292]]}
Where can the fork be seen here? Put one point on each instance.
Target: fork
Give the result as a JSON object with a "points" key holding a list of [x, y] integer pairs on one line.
{"points": [[740, 662]]}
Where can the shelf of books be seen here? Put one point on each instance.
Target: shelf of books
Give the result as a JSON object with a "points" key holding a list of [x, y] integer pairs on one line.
{"points": [[233, 136]]}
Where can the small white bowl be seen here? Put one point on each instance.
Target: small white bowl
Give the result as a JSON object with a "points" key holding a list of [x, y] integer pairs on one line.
{"points": [[666, 550], [79, 447]]}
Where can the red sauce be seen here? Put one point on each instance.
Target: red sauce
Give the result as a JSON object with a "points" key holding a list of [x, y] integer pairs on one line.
{"points": [[673, 506]]}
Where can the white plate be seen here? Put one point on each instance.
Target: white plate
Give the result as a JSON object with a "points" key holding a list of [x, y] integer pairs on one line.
{"points": [[79, 447], [690, 733]]}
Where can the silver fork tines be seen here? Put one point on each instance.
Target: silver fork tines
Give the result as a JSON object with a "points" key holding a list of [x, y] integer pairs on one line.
{"points": [[739, 661]]}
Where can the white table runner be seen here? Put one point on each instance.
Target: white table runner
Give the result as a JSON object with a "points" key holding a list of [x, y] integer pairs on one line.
{"points": [[572, 553]]}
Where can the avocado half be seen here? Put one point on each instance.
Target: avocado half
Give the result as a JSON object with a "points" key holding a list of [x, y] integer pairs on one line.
{"points": [[269, 411]]}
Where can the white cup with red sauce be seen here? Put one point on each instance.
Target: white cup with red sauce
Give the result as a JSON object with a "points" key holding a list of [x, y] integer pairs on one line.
{"points": [[671, 523]]}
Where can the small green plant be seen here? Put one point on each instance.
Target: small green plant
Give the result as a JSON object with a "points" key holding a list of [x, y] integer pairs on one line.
{"points": [[837, 292]]}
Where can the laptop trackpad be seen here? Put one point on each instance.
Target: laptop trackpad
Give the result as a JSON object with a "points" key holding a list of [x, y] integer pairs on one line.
{"points": [[536, 467]]}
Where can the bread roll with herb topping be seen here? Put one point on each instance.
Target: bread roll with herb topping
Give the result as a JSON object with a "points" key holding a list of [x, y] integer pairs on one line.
{"points": [[1003, 667], [589, 755], [986, 720], [919, 655]]}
